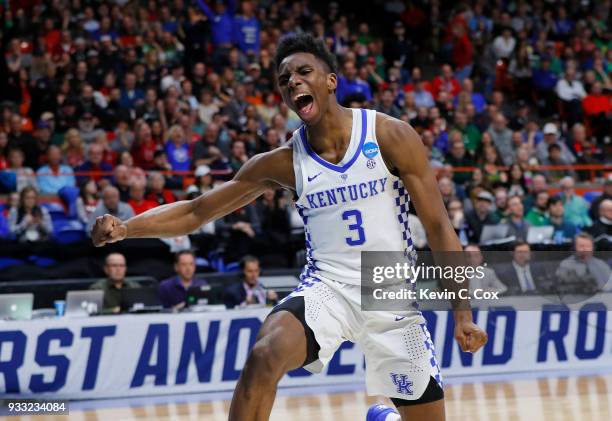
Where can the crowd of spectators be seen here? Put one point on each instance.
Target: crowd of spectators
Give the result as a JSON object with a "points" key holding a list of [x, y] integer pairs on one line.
{"points": [[120, 106]]}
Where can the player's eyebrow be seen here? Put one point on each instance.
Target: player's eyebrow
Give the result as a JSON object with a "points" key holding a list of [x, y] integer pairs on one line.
{"points": [[298, 69]]}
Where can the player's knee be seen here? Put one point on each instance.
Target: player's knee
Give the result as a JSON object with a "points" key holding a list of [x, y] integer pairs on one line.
{"points": [[265, 361]]}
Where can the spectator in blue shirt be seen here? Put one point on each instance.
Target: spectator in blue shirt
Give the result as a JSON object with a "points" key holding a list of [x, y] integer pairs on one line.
{"points": [[349, 84], [173, 291], [177, 149], [54, 175], [131, 96], [221, 21], [246, 30]]}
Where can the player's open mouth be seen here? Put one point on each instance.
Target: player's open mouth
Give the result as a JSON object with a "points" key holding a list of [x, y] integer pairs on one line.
{"points": [[303, 103]]}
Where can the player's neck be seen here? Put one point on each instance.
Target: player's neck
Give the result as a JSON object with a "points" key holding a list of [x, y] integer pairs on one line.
{"points": [[332, 129]]}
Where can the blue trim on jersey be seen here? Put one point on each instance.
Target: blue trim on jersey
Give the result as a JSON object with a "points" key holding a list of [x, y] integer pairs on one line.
{"points": [[341, 169]]}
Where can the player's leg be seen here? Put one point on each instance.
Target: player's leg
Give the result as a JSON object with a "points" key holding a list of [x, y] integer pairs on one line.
{"points": [[432, 411], [280, 347], [429, 406]]}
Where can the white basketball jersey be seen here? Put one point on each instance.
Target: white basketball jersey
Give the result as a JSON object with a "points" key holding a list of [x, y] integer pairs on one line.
{"points": [[353, 206]]}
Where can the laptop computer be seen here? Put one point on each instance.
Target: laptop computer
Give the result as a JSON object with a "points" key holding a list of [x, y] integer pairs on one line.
{"points": [[495, 234], [16, 306], [84, 303], [140, 300], [540, 235], [200, 294]]}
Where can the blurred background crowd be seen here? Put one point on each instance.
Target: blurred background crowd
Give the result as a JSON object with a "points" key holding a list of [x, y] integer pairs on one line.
{"points": [[121, 106]]}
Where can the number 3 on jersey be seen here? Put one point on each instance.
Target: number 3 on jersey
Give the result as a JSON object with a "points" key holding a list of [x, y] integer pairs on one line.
{"points": [[355, 225]]}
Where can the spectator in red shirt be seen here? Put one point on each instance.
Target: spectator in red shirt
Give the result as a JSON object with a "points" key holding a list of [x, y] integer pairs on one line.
{"points": [[144, 147], [137, 200], [462, 53], [445, 82]]}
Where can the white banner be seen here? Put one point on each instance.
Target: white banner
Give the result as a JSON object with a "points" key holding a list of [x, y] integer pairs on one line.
{"points": [[131, 355]]}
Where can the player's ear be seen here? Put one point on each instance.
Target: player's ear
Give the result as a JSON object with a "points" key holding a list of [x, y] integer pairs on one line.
{"points": [[332, 82]]}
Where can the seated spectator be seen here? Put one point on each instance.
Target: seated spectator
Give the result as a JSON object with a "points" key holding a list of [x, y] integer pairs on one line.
{"points": [[445, 82], [177, 149], [87, 201], [17, 177], [502, 138], [349, 83], [111, 204], [601, 230], [53, 176], [87, 128], [538, 184], [458, 157], [73, 149], [607, 194], [95, 166], [115, 283], [517, 224], [555, 159], [583, 273], [571, 93], [536, 216], [238, 230], [501, 202], [157, 191], [597, 108], [551, 138], [488, 282], [544, 81], [144, 147], [523, 276], [478, 101], [122, 180], [173, 291], [517, 181], [457, 218], [565, 230], [447, 189], [422, 97], [386, 106], [30, 222], [471, 134], [481, 215], [238, 155], [576, 208], [137, 201], [249, 291]]}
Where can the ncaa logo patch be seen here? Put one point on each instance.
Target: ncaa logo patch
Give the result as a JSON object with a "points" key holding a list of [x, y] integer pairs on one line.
{"points": [[370, 150], [404, 386], [371, 164]]}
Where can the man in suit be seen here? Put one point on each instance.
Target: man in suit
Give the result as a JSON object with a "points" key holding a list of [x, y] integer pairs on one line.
{"points": [[248, 290], [521, 276]]}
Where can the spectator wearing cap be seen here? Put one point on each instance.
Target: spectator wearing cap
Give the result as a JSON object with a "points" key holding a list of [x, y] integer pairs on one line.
{"points": [[576, 208], [54, 176], [87, 128], [349, 83], [607, 194], [94, 167], [110, 204], [481, 215], [551, 137], [516, 222]]}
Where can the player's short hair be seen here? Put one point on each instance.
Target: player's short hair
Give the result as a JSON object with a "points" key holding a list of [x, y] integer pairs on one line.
{"points": [[305, 43]]}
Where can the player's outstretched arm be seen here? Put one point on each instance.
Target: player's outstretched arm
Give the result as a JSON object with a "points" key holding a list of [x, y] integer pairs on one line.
{"points": [[269, 170], [403, 150]]}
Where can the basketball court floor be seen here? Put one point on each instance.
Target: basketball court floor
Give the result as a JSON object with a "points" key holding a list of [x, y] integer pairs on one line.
{"points": [[526, 397]]}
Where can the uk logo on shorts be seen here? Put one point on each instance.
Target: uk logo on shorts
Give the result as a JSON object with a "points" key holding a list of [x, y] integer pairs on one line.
{"points": [[404, 386], [370, 150]]}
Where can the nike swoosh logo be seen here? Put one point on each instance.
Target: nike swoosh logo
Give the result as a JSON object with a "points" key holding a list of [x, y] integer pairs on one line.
{"points": [[314, 176], [398, 318]]}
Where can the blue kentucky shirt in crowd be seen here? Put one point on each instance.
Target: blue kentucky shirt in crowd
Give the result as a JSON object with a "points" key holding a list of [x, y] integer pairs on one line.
{"points": [[356, 86], [246, 34], [178, 156], [221, 25]]}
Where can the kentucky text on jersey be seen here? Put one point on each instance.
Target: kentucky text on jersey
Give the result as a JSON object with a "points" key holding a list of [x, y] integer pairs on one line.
{"points": [[344, 194]]}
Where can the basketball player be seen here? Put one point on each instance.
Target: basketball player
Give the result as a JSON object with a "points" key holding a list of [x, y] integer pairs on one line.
{"points": [[350, 170]]}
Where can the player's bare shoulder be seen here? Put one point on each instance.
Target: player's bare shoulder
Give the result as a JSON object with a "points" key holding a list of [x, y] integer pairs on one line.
{"points": [[274, 168], [399, 143]]}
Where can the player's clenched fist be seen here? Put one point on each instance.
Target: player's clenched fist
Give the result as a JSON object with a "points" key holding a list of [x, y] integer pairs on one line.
{"points": [[470, 336], [107, 229]]}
